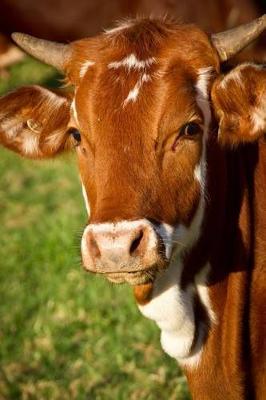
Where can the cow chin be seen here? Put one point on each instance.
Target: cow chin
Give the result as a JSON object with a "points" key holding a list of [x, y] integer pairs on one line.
{"points": [[132, 276]]}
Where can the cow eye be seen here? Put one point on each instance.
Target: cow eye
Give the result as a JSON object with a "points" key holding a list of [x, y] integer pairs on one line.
{"points": [[190, 130], [75, 134]]}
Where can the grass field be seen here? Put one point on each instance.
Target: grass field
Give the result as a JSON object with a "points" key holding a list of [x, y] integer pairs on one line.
{"points": [[65, 334]]}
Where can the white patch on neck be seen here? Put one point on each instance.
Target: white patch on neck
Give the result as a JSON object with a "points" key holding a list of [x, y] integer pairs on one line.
{"points": [[133, 94], [84, 68], [171, 307], [132, 62]]}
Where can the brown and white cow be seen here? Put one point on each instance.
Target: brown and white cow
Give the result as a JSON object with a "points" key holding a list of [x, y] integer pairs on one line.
{"points": [[172, 159]]}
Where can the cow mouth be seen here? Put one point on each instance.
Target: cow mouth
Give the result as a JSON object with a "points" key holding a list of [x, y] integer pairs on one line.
{"points": [[132, 278], [138, 277]]}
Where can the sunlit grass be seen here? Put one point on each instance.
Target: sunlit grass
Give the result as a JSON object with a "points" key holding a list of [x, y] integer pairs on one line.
{"points": [[65, 334]]}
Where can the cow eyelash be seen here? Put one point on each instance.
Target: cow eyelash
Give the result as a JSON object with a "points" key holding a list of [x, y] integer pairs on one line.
{"points": [[76, 135], [188, 131]]}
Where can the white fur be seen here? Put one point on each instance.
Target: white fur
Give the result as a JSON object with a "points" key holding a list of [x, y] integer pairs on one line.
{"points": [[133, 94], [132, 62], [166, 233], [172, 310], [197, 173], [259, 116], [84, 68], [30, 144], [74, 110], [234, 75], [86, 200]]}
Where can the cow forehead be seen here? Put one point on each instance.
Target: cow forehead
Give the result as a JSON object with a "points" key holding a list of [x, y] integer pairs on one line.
{"points": [[136, 43], [136, 82]]}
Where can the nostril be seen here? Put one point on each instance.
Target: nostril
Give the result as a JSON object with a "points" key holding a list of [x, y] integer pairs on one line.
{"points": [[136, 243], [93, 246]]}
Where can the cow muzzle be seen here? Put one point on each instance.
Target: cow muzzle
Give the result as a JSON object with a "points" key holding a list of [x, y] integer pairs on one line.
{"points": [[127, 251]]}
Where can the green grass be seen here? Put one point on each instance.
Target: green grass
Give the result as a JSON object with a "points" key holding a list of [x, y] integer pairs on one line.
{"points": [[65, 334]]}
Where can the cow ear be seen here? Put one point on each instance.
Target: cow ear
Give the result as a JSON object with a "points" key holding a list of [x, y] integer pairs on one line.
{"points": [[239, 101], [34, 122]]}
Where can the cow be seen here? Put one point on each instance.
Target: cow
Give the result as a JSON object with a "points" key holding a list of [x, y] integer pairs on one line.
{"points": [[171, 154]]}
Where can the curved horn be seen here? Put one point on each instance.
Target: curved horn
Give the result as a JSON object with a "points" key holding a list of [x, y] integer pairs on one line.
{"points": [[230, 42], [52, 53]]}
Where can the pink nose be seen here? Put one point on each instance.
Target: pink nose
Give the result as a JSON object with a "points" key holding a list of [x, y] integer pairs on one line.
{"points": [[127, 246]]}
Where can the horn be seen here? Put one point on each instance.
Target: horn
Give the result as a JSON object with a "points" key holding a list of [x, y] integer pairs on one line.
{"points": [[230, 42], [52, 53]]}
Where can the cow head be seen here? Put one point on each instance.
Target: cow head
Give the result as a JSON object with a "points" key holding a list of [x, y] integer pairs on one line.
{"points": [[139, 118]]}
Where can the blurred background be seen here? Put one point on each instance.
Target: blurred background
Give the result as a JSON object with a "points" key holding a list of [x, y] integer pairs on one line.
{"points": [[65, 334]]}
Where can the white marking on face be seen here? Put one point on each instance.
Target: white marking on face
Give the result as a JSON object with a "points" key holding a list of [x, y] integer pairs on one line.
{"points": [[84, 68], [132, 62], [197, 173], [133, 94], [74, 110], [86, 200], [170, 307]]}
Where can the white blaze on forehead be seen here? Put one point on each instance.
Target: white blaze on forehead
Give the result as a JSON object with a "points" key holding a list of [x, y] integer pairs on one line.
{"points": [[84, 68], [132, 62], [133, 94]]}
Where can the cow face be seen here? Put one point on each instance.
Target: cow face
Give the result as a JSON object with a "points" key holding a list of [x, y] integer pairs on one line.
{"points": [[141, 147], [139, 120]]}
